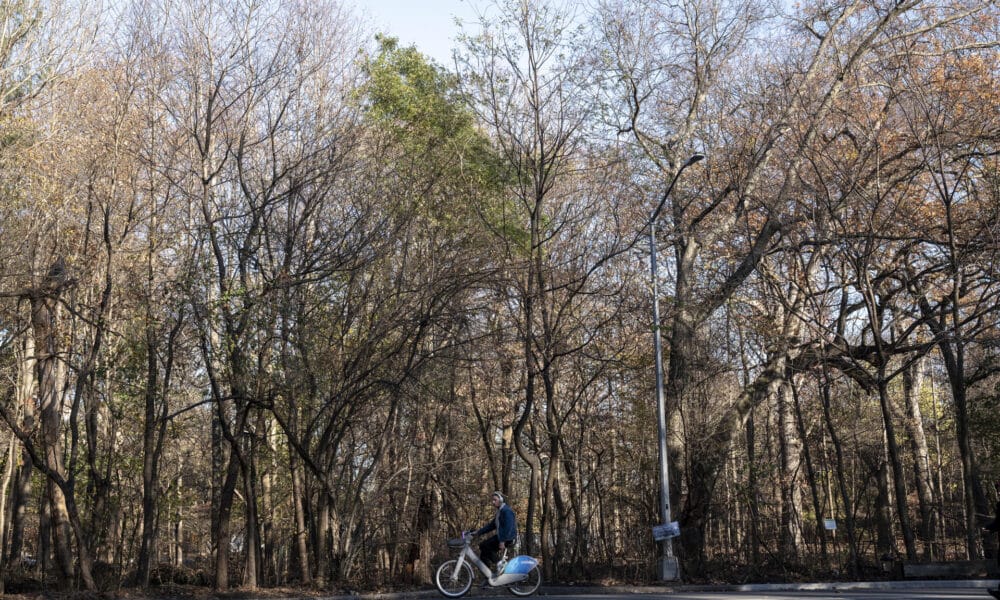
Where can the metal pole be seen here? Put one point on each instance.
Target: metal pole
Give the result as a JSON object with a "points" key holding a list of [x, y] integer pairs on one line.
{"points": [[669, 567]]}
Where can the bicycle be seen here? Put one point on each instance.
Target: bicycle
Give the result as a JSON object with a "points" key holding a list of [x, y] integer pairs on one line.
{"points": [[520, 574]]}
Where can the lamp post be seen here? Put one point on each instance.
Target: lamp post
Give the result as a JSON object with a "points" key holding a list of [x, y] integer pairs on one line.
{"points": [[669, 567]]}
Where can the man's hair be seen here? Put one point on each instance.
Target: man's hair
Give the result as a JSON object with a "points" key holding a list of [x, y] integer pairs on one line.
{"points": [[499, 495]]}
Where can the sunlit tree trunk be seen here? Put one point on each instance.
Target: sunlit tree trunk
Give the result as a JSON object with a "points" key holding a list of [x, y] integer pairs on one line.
{"points": [[790, 453], [64, 519], [25, 403], [913, 378]]}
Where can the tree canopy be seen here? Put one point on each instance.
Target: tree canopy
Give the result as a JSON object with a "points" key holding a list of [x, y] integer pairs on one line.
{"points": [[283, 301]]}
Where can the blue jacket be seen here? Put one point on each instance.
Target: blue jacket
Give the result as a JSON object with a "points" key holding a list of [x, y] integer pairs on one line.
{"points": [[504, 524]]}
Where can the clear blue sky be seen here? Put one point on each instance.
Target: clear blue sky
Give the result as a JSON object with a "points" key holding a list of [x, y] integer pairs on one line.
{"points": [[428, 24]]}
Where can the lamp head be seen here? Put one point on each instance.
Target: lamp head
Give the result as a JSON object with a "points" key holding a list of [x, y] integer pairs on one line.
{"points": [[694, 158]]}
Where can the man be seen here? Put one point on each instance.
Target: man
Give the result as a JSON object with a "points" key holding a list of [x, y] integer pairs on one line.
{"points": [[504, 524]]}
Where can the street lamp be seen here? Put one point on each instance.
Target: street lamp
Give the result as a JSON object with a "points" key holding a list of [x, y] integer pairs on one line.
{"points": [[669, 567]]}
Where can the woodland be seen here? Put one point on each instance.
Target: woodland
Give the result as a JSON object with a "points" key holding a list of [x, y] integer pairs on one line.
{"points": [[282, 300]]}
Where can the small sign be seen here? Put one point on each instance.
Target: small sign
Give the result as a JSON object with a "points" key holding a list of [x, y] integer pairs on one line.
{"points": [[666, 531], [830, 524]]}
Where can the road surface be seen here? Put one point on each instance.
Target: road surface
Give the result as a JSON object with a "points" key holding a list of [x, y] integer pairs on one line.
{"points": [[881, 594]]}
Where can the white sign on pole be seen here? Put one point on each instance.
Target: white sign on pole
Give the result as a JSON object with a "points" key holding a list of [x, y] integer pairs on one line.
{"points": [[666, 531], [830, 524]]}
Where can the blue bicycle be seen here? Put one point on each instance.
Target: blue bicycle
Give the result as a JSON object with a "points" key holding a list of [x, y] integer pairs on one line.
{"points": [[520, 574]]}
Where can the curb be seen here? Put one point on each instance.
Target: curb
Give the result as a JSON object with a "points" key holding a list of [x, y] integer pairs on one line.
{"points": [[582, 590], [918, 584]]}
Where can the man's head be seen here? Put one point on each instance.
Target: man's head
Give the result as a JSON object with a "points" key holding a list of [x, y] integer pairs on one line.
{"points": [[497, 499]]}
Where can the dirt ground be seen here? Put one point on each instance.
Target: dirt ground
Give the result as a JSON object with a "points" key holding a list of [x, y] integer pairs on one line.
{"points": [[176, 592]]}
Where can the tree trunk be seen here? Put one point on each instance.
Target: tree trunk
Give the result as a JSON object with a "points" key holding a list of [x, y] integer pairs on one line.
{"points": [[150, 463], [301, 531], [531, 380], [854, 564], [219, 545], [21, 496], [324, 543], [44, 321], [912, 384], [885, 541], [251, 575], [811, 474], [178, 525], [975, 499], [268, 568], [221, 531], [898, 475], [8, 477], [790, 451], [44, 536], [753, 506]]}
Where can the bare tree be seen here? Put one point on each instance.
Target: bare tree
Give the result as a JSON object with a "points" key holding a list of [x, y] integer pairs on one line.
{"points": [[748, 196]]}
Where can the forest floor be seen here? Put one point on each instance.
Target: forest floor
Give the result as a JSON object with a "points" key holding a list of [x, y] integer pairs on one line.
{"points": [[175, 592]]}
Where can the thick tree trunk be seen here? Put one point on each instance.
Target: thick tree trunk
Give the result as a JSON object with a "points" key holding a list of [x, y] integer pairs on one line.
{"points": [[150, 463], [10, 460], [534, 487], [219, 545], [705, 465], [21, 493], [975, 499], [50, 409], [814, 484], [324, 543], [912, 384], [301, 549], [885, 541], [221, 533], [790, 451], [898, 475], [251, 546], [854, 564], [64, 521]]}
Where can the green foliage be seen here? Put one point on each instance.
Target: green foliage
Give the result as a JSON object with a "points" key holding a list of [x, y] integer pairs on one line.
{"points": [[418, 104], [412, 95]]}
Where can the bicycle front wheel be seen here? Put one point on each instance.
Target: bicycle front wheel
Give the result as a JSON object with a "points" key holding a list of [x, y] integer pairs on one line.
{"points": [[453, 581], [529, 585]]}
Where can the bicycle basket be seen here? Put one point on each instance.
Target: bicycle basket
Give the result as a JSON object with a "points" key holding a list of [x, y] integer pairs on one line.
{"points": [[456, 543]]}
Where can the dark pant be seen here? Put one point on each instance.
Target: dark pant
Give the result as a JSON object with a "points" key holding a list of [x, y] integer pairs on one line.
{"points": [[489, 551]]}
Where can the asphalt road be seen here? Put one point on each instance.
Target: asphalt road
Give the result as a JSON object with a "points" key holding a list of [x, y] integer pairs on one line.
{"points": [[857, 590], [898, 594]]}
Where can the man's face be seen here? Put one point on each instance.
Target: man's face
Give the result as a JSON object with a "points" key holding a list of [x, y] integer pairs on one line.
{"points": [[496, 501]]}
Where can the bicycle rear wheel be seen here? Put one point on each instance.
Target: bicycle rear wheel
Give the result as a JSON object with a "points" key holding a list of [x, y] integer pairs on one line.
{"points": [[529, 585], [453, 581]]}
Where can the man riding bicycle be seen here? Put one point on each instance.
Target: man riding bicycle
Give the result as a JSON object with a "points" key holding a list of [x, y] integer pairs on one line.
{"points": [[505, 525]]}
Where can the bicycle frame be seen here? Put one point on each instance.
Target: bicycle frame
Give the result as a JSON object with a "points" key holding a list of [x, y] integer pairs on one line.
{"points": [[493, 579]]}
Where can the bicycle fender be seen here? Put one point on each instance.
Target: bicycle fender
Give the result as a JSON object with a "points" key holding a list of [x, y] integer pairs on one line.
{"points": [[520, 565]]}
